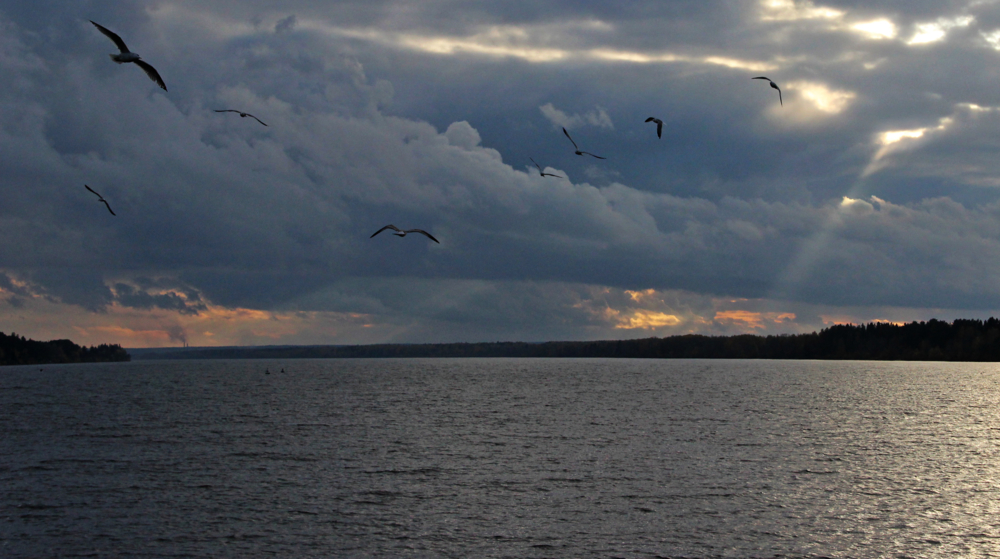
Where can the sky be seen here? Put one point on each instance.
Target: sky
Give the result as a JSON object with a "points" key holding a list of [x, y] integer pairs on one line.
{"points": [[871, 194]]}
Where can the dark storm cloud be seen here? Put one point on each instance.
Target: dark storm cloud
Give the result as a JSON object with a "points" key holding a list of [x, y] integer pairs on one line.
{"points": [[8, 285], [369, 125], [129, 296], [83, 287]]}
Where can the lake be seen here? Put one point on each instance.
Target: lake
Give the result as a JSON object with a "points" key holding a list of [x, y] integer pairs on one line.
{"points": [[500, 458]]}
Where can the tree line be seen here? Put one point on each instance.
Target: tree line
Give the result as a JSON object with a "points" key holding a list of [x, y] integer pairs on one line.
{"points": [[934, 340], [18, 350]]}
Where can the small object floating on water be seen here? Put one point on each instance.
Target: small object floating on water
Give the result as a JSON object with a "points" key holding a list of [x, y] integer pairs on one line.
{"points": [[129, 56]]}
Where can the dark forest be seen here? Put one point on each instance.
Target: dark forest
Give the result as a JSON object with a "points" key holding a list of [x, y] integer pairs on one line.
{"points": [[18, 350]]}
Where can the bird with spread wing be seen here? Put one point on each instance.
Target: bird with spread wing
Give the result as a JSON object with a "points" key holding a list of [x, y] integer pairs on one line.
{"points": [[402, 233], [128, 56], [578, 151]]}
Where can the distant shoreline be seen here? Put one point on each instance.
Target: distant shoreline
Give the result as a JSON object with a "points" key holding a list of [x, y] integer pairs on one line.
{"points": [[934, 340], [18, 350]]}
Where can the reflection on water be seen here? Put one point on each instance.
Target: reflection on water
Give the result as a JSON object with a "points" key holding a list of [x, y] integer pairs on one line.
{"points": [[500, 458]]}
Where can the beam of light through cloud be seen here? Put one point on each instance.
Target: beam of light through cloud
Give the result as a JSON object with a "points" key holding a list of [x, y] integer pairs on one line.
{"points": [[823, 241], [897, 140], [812, 250]]}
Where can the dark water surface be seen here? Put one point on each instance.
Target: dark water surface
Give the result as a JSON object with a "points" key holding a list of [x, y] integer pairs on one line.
{"points": [[500, 458]]}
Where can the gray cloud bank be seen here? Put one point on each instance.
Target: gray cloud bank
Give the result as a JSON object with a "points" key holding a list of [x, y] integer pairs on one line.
{"points": [[734, 202]]}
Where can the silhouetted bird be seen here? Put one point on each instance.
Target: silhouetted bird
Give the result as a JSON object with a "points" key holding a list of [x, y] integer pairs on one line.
{"points": [[401, 233], [241, 113], [543, 173], [578, 152], [100, 199], [774, 85], [128, 56], [659, 125]]}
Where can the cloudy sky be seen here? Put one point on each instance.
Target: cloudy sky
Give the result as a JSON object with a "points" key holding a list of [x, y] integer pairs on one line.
{"points": [[872, 194]]}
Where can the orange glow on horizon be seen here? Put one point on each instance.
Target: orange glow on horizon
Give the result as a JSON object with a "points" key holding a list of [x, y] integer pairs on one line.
{"points": [[753, 319], [842, 320]]}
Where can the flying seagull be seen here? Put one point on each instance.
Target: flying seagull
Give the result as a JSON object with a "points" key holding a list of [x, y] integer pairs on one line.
{"points": [[774, 85], [544, 174], [400, 233], [241, 113], [100, 199], [578, 152], [659, 126], [128, 56]]}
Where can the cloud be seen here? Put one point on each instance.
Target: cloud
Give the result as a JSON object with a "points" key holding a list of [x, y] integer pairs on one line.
{"points": [[9, 285], [753, 320], [596, 117], [876, 29], [867, 190], [792, 10], [184, 303], [463, 135], [935, 31]]}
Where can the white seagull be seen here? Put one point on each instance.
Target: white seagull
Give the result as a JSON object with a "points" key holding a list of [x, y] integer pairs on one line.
{"points": [[774, 85], [241, 113], [129, 56], [578, 152], [543, 173], [401, 233], [659, 125], [100, 199]]}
